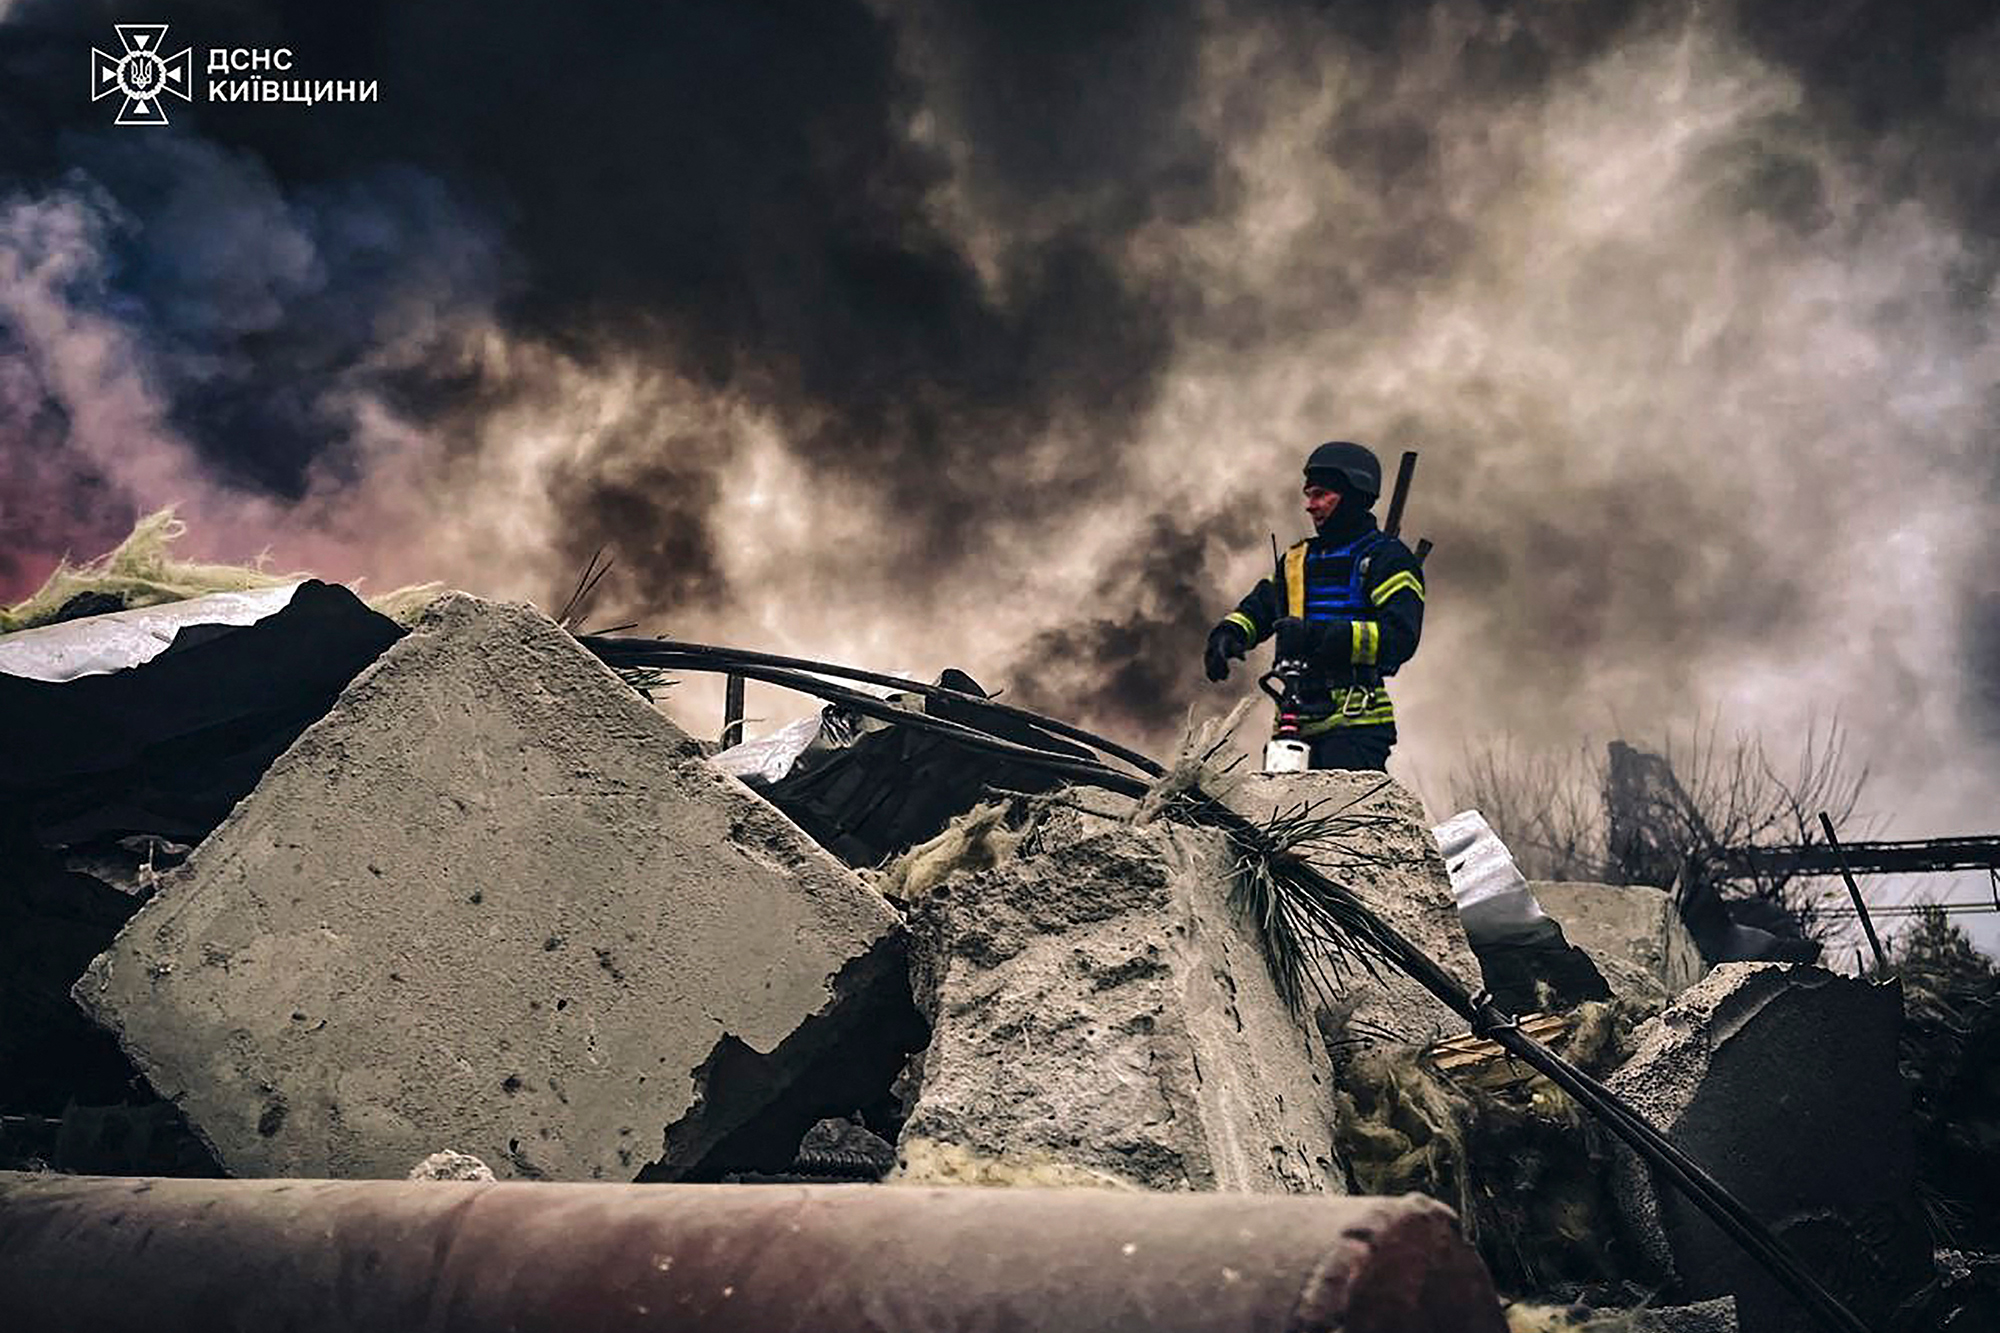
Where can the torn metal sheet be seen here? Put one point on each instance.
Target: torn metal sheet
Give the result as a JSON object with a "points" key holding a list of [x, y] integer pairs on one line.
{"points": [[166, 747], [119, 640]]}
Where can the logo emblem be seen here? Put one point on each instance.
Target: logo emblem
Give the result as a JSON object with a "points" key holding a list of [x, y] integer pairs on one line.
{"points": [[143, 75]]}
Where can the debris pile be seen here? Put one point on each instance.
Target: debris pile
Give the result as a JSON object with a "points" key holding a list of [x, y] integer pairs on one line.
{"points": [[1377, 843], [1950, 1057], [1716, 1316], [1513, 1155], [314, 892], [130, 735], [867, 789], [1631, 932]]}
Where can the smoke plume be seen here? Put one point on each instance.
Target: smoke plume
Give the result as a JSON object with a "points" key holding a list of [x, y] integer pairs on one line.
{"points": [[925, 333]]}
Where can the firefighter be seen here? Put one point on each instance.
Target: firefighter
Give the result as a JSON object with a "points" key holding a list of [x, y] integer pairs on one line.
{"points": [[1348, 602]]}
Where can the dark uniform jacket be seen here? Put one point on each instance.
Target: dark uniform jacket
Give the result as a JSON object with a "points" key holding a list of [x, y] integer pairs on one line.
{"points": [[1367, 590]]}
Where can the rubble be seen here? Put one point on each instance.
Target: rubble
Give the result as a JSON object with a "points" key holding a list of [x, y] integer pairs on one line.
{"points": [[129, 737], [1399, 874], [1633, 934], [1716, 1316], [486, 896], [1781, 1081], [1711, 1316], [866, 789], [1507, 1150], [169, 745], [1099, 1016], [493, 899], [449, 1165]]}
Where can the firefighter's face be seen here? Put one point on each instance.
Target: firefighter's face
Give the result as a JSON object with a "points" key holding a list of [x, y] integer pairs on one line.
{"points": [[1320, 502]]}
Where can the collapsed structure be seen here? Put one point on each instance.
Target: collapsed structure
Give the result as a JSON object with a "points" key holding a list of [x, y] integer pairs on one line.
{"points": [[476, 894]]}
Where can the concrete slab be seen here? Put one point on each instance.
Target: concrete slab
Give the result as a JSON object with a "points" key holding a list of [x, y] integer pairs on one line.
{"points": [[1781, 1080], [492, 899], [1100, 1017], [1631, 932], [1393, 863]]}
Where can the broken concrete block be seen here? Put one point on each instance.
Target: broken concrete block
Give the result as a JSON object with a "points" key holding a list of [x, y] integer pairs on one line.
{"points": [[1395, 867], [1631, 932], [491, 899], [1781, 1081], [1099, 1016]]}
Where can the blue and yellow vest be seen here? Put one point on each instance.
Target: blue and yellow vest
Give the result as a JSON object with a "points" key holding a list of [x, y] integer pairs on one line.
{"points": [[1331, 584]]}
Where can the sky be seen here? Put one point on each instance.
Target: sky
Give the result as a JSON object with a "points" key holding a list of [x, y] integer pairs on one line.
{"points": [[933, 334]]}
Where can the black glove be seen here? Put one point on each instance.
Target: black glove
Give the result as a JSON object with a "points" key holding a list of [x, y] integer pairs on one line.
{"points": [[1299, 640], [1225, 641]]}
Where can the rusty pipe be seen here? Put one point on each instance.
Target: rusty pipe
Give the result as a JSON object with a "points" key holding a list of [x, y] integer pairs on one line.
{"points": [[155, 1256]]}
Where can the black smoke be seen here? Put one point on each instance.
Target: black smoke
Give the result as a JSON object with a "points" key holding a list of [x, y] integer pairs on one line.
{"points": [[728, 191], [1128, 659], [980, 275]]}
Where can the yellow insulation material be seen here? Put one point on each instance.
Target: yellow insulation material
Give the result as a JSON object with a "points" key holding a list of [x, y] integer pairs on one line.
{"points": [[141, 571], [1522, 1165], [979, 839]]}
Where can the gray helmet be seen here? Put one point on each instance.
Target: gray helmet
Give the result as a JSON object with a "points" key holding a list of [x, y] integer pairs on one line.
{"points": [[1345, 466]]}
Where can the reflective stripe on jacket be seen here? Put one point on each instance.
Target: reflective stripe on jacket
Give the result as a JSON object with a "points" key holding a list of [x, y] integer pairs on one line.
{"points": [[1368, 590]]}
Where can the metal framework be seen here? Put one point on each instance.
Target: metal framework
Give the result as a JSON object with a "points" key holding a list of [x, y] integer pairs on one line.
{"points": [[1915, 856]]}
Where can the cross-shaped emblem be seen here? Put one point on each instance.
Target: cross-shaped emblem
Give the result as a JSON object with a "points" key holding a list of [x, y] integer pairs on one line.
{"points": [[142, 74]]}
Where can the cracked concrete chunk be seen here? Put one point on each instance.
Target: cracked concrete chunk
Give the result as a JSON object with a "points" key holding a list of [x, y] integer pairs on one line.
{"points": [[1781, 1081], [1099, 1017], [1395, 867], [491, 899]]}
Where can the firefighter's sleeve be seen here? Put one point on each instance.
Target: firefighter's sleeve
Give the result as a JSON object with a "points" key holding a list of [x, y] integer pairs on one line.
{"points": [[1257, 613], [1396, 591]]}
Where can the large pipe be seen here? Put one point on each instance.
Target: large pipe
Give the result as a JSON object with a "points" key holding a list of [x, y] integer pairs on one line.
{"points": [[157, 1256]]}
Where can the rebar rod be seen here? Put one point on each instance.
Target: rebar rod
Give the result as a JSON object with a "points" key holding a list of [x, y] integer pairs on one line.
{"points": [[1854, 892]]}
